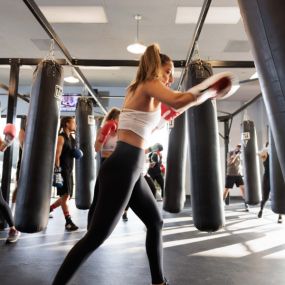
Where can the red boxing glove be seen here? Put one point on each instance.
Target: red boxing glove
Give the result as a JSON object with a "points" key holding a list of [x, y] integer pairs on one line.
{"points": [[162, 168], [10, 133], [167, 114], [109, 126]]}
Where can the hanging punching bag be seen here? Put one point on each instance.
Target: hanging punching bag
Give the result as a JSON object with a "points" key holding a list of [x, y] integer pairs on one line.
{"points": [[264, 24], [206, 180], [252, 180], [85, 171], [174, 190], [35, 181], [277, 183]]}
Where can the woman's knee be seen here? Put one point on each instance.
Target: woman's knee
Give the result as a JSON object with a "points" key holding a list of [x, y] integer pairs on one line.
{"points": [[156, 224]]}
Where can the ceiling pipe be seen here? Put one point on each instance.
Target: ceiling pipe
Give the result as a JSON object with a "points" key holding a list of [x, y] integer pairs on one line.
{"points": [[52, 34], [197, 32]]}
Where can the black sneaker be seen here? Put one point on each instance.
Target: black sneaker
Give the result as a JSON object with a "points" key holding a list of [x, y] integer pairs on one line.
{"points": [[125, 217], [70, 226], [259, 214], [279, 221]]}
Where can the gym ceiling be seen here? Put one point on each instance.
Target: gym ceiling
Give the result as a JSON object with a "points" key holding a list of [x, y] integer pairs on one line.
{"points": [[22, 36]]}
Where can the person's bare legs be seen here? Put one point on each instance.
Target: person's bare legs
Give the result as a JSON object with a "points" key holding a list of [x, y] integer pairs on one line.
{"points": [[69, 225], [241, 187], [226, 193]]}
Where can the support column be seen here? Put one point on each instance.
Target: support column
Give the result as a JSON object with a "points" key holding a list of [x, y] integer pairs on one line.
{"points": [[11, 118]]}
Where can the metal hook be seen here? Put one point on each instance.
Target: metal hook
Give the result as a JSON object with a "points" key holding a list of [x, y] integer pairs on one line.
{"points": [[50, 55]]}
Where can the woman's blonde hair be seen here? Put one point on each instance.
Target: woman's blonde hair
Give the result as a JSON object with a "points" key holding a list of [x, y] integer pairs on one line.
{"points": [[149, 66], [113, 114]]}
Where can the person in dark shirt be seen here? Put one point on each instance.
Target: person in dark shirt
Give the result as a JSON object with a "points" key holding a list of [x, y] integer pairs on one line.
{"points": [[154, 170], [64, 162], [265, 182]]}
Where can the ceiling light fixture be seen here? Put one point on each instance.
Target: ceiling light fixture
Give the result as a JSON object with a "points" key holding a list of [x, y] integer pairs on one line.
{"points": [[71, 79], [137, 47]]}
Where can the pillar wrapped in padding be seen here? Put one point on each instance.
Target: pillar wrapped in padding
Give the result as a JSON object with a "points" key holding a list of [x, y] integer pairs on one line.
{"points": [[277, 183], [264, 24]]}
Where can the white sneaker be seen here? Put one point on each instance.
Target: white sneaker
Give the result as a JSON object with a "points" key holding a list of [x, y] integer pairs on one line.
{"points": [[50, 215], [13, 236]]}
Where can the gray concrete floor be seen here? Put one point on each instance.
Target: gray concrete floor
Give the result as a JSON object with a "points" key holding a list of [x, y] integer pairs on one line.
{"points": [[247, 251]]}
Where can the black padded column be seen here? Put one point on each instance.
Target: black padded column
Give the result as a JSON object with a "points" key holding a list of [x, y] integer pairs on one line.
{"points": [[264, 24]]}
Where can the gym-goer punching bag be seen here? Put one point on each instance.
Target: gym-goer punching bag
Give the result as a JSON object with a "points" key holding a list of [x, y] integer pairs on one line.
{"points": [[264, 24], [174, 189], [35, 181], [277, 183], [85, 171], [251, 170], [206, 179]]}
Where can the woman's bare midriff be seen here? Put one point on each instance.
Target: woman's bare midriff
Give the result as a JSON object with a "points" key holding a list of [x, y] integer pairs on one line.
{"points": [[131, 138]]}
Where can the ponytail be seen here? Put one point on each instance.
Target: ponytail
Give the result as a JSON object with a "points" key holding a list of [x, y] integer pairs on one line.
{"points": [[149, 67], [64, 121]]}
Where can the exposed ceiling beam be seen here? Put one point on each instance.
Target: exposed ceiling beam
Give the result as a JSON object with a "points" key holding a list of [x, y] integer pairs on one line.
{"points": [[128, 63], [33, 7]]}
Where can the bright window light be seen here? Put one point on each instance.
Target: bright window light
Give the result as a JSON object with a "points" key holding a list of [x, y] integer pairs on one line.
{"points": [[177, 73], [216, 15], [75, 14], [254, 76]]}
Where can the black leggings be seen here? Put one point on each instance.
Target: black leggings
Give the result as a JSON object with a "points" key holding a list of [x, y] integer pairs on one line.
{"points": [[151, 184], [120, 181], [265, 191], [6, 211]]}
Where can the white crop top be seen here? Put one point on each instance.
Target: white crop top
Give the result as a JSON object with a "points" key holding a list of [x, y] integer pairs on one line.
{"points": [[139, 122], [110, 143]]}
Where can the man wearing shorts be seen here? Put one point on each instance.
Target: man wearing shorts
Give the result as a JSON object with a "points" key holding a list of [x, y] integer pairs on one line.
{"points": [[234, 176]]}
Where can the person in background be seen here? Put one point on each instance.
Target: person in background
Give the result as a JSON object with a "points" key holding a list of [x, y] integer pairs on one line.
{"points": [[154, 170], [234, 176], [105, 143], [21, 138], [264, 155], [64, 163], [5, 211]]}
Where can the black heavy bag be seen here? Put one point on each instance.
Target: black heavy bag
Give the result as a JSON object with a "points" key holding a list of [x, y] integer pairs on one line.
{"points": [[251, 170], [264, 24], [206, 180], [277, 183], [35, 181], [85, 171], [174, 189]]}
